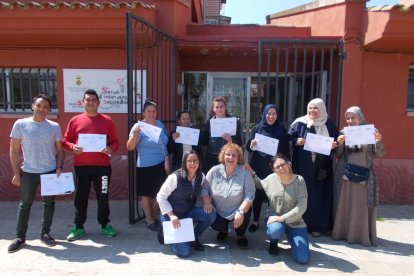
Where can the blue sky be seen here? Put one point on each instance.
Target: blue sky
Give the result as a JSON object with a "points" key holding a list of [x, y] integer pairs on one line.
{"points": [[255, 11]]}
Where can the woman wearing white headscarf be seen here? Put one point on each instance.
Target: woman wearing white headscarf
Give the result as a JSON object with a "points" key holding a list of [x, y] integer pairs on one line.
{"points": [[356, 203], [315, 168]]}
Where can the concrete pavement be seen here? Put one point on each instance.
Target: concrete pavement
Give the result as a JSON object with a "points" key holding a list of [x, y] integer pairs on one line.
{"points": [[136, 251]]}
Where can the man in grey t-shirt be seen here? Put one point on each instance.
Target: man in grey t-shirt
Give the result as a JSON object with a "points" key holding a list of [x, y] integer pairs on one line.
{"points": [[40, 141]]}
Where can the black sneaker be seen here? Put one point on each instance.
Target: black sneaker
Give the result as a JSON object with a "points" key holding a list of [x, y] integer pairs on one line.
{"points": [[222, 236], [273, 249], [253, 227], [48, 240], [197, 245], [242, 242], [16, 245]]}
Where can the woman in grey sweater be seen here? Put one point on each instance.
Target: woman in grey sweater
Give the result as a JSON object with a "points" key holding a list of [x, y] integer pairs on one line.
{"points": [[288, 197]]}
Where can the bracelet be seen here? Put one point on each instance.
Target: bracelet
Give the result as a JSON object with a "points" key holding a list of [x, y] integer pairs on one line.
{"points": [[254, 174], [241, 212]]}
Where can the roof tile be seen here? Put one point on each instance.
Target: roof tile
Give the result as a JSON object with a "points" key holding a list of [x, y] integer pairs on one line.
{"points": [[385, 8], [98, 4]]}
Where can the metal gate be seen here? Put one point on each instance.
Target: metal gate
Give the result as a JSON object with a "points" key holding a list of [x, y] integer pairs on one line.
{"points": [[151, 62], [292, 72]]}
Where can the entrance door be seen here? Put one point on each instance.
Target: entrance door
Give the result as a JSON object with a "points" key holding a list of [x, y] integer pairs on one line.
{"points": [[202, 88], [233, 88]]}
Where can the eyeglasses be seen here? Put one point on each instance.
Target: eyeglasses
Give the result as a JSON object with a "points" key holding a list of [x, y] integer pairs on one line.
{"points": [[192, 161], [280, 166]]}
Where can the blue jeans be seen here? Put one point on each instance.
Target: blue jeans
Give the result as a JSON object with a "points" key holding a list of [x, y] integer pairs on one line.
{"points": [[297, 237], [201, 220]]}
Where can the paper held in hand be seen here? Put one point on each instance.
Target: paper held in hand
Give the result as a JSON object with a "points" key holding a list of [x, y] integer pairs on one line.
{"points": [[92, 142], [153, 132], [359, 135], [188, 135], [51, 184], [219, 127], [318, 143], [266, 144], [184, 233]]}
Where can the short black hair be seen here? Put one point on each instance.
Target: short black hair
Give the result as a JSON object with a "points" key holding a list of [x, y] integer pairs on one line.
{"points": [[91, 92], [182, 112], [43, 97]]}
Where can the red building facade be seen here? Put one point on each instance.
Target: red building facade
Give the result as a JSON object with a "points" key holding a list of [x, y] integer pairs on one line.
{"points": [[376, 48]]}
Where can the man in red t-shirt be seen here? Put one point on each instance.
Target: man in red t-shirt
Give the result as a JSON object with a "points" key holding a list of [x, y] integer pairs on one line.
{"points": [[91, 166]]}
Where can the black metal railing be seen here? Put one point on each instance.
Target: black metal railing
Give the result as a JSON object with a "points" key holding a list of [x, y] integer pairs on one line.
{"points": [[18, 86], [151, 61], [292, 72]]}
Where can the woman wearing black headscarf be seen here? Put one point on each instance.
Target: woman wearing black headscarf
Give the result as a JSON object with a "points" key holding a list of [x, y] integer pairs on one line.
{"points": [[271, 127]]}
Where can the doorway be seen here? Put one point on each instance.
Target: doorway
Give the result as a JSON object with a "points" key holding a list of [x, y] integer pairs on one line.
{"points": [[201, 88]]}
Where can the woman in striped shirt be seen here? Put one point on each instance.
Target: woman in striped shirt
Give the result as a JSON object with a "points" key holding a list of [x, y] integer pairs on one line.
{"points": [[229, 189]]}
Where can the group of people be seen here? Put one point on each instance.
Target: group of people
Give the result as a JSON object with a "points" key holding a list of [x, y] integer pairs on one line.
{"points": [[42, 145], [306, 191]]}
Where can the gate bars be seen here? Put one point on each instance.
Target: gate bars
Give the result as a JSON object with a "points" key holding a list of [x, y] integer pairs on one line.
{"points": [[151, 63], [314, 65]]}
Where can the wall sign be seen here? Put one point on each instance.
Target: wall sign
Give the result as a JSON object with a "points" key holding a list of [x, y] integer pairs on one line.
{"points": [[111, 86]]}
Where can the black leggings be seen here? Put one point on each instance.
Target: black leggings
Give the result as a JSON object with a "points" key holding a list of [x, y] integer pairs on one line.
{"points": [[259, 197], [222, 225]]}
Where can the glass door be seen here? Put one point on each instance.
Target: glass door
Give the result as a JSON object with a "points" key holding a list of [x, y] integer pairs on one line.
{"points": [[233, 88], [201, 88]]}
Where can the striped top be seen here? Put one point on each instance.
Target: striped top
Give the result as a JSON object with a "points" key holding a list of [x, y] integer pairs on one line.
{"points": [[228, 193]]}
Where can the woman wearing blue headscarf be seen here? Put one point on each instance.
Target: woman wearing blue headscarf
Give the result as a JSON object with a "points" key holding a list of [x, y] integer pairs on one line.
{"points": [[271, 127]]}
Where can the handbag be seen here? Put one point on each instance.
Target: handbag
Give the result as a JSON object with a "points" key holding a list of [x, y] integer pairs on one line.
{"points": [[355, 173]]}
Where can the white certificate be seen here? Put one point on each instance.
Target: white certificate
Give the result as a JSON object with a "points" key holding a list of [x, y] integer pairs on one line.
{"points": [[266, 144], [53, 185], [359, 135], [153, 132], [184, 233], [92, 142], [318, 143], [218, 127], [188, 135]]}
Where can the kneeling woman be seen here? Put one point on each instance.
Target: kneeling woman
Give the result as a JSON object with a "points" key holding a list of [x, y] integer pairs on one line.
{"points": [[177, 199], [229, 189], [288, 200]]}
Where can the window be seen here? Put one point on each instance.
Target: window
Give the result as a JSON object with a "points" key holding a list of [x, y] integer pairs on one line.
{"points": [[410, 92], [18, 86]]}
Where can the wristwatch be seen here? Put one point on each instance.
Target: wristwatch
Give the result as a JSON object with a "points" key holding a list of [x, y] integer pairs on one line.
{"points": [[241, 212]]}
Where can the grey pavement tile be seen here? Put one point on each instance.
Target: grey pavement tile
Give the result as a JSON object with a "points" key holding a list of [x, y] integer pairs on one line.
{"points": [[376, 268], [135, 251], [400, 268]]}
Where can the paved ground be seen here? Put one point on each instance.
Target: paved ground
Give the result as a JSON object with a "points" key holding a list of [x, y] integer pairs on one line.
{"points": [[137, 252]]}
